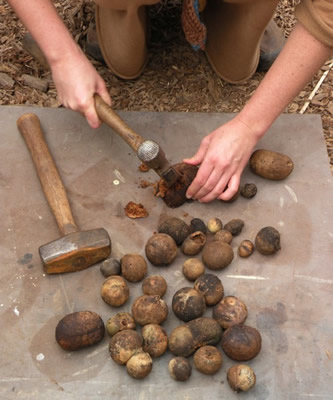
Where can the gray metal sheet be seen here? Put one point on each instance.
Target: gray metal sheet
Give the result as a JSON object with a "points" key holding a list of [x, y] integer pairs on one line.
{"points": [[289, 295]]}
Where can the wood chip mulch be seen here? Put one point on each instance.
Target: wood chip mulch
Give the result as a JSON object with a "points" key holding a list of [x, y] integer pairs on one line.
{"points": [[172, 80]]}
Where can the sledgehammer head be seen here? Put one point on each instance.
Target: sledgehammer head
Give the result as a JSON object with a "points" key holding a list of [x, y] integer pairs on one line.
{"points": [[75, 251]]}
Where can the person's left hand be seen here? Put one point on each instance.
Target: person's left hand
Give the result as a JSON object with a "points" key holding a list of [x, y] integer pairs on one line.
{"points": [[223, 155]]}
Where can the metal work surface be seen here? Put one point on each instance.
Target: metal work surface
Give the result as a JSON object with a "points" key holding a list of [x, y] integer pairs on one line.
{"points": [[289, 295]]}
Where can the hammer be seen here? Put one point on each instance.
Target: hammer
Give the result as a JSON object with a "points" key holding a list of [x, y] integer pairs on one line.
{"points": [[148, 151], [75, 250]]}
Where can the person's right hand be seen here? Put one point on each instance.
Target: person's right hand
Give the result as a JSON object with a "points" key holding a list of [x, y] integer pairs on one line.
{"points": [[77, 81], [222, 156]]}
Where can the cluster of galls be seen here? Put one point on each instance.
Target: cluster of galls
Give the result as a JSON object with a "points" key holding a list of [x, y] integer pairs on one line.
{"points": [[199, 335]]}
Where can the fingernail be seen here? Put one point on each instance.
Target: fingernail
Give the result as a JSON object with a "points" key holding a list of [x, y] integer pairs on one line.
{"points": [[188, 197]]}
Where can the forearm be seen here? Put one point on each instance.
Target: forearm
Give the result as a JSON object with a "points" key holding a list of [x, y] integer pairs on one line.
{"points": [[300, 59], [43, 22], [75, 77]]}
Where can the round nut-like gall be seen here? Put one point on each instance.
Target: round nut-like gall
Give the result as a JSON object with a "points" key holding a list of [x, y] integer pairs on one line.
{"points": [[110, 266], [155, 340], [161, 249], [208, 360], [241, 378], [115, 291], [139, 365], [188, 304], [175, 195], [194, 243], [193, 268], [248, 190], [230, 311], [246, 248], [210, 286], [176, 228], [133, 267], [123, 345], [154, 285], [267, 240], [197, 224], [223, 235], [180, 368], [217, 255], [214, 225], [149, 310], [234, 226], [241, 342], [120, 322]]}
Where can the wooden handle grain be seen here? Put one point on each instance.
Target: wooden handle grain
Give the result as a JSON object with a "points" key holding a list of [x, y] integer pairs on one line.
{"points": [[55, 193], [112, 119]]}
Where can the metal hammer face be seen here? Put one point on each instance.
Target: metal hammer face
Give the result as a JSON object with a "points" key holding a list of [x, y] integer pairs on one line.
{"points": [[152, 155], [75, 251]]}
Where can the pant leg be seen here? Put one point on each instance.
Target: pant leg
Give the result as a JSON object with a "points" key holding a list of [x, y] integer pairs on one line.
{"points": [[122, 35], [234, 32]]}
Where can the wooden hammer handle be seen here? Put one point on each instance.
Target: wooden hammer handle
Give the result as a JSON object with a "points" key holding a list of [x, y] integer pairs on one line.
{"points": [[111, 118], [29, 126]]}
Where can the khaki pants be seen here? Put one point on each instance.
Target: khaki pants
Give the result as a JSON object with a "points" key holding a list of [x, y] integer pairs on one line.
{"points": [[234, 32]]}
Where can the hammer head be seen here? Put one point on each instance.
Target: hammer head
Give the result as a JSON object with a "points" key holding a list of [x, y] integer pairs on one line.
{"points": [[75, 251], [152, 155]]}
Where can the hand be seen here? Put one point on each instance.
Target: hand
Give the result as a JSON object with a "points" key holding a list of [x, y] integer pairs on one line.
{"points": [[223, 155], [77, 81]]}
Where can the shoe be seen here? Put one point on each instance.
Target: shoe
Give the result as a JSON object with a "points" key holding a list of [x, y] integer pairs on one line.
{"points": [[34, 50], [271, 45], [92, 46]]}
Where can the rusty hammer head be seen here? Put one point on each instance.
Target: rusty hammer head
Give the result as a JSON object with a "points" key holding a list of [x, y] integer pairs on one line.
{"points": [[75, 251], [150, 153]]}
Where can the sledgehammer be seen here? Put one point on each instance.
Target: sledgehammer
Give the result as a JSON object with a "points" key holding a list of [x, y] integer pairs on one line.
{"points": [[75, 250]]}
